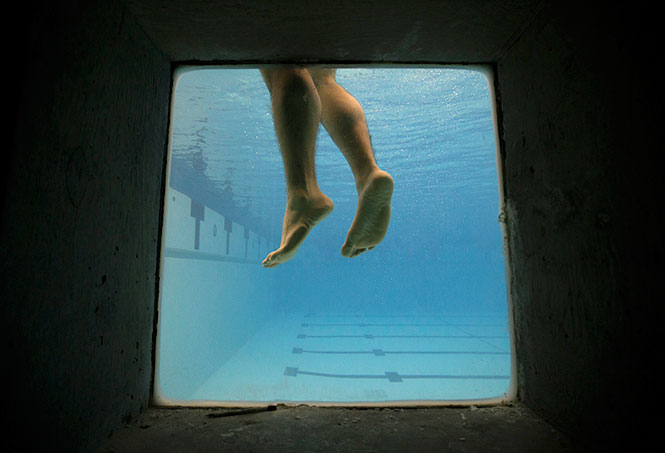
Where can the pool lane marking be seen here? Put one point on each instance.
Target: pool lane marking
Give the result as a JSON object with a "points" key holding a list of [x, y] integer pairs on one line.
{"points": [[381, 352], [371, 337], [392, 376], [362, 324]]}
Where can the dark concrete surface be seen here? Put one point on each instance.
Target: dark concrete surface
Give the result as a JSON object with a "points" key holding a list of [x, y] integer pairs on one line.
{"points": [[579, 112], [511, 428]]}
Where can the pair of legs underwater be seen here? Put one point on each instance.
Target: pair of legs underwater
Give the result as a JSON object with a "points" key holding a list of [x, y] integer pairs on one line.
{"points": [[301, 99]]}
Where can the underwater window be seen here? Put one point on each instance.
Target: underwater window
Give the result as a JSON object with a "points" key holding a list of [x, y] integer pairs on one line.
{"points": [[423, 316]]}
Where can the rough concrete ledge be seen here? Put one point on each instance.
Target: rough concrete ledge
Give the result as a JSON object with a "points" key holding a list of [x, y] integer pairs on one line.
{"points": [[511, 428]]}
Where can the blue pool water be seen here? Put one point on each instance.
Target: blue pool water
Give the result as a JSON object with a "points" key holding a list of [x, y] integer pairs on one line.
{"points": [[421, 317]]}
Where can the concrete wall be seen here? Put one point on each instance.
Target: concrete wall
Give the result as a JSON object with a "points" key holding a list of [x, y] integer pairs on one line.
{"points": [[80, 226], [579, 105]]}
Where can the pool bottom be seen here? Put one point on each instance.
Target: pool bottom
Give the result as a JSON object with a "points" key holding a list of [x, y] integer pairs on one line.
{"points": [[348, 358]]}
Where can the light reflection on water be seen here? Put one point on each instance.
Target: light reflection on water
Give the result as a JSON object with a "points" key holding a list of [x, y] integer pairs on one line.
{"points": [[431, 129]]}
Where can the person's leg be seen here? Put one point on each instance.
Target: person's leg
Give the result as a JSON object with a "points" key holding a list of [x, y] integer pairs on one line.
{"points": [[296, 114], [344, 119]]}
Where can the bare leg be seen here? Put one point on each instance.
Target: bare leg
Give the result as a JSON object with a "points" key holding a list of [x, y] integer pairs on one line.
{"points": [[344, 119], [296, 113]]}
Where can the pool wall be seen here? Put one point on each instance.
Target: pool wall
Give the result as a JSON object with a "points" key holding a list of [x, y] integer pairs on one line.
{"points": [[213, 295]]}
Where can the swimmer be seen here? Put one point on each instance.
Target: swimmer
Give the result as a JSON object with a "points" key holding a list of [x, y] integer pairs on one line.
{"points": [[301, 99]]}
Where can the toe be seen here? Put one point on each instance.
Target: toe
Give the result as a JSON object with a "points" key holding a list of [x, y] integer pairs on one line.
{"points": [[359, 251], [270, 260], [347, 249]]}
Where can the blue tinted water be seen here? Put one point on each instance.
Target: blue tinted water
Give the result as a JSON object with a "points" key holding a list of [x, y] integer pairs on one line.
{"points": [[421, 317]]}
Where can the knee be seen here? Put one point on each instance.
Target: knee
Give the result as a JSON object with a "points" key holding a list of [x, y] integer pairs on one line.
{"points": [[288, 80], [322, 76]]}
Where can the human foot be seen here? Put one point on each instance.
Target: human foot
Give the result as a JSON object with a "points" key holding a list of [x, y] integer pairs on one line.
{"points": [[372, 215], [302, 213]]}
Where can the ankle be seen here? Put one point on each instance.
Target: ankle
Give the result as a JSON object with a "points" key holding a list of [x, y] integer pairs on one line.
{"points": [[296, 198], [365, 176]]}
